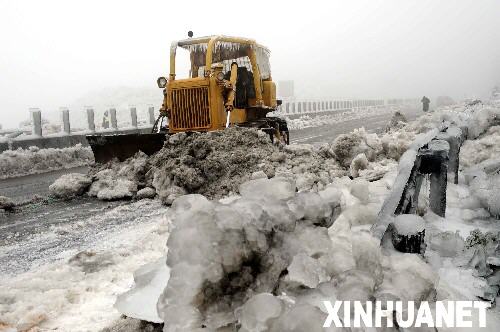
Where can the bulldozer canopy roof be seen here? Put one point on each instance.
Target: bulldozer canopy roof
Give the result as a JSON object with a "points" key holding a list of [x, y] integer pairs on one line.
{"points": [[225, 48]]}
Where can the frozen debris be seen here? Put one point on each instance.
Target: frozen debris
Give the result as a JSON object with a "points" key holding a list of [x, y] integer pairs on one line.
{"points": [[488, 240], [360, 162], [258, 312], [394, 144], [119, 180], [140, 302], [478, 262], [147, 192], [301, 317], [409, 224], [128, 324], [111, 189], [245, 251], [486, 187], [409, 279], [264, 189], [447, 244], [305, 271], [213, 163], [347, 146], [34, 160], [70, 185], [6, 203], [474, 152], [258, 175], [482, 119], [359, 188], [407, 232], [216, 163], [398, 121], [311, 207]]}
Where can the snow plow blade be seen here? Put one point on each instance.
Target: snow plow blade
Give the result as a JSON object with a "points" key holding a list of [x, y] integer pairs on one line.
{"points": [[123, 146]]}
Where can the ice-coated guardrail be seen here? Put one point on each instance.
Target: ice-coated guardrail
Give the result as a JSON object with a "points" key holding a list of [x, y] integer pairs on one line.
{"points": [[436, 154]]}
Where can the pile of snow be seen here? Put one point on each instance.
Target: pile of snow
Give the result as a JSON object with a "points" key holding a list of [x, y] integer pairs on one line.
{"points": [[70, 185], [474, 152], [266, 260], [214, 164], [347, 146], [34, 160], [116, 180], [6, 203], [398, 120], [482, 119]]}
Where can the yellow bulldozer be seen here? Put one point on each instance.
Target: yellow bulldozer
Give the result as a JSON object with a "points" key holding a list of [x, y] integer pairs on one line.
{"points": [[229, 84]]}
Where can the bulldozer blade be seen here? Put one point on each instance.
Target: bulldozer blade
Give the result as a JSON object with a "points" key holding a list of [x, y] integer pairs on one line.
{"points": [[123, 146]]}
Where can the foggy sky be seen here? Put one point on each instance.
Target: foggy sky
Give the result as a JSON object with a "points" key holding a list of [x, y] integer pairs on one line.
{"points": [[53, 52]]}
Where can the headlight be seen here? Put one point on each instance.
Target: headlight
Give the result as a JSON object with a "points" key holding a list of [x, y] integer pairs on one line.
{"points": [[220, 76], [162, 82]]}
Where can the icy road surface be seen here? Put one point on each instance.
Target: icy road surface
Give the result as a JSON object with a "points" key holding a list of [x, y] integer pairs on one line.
{"points": [[372, 123], [27, 187]]}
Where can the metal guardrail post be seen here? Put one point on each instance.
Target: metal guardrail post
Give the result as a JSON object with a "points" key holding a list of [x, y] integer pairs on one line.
{"points": [[434, 161]]}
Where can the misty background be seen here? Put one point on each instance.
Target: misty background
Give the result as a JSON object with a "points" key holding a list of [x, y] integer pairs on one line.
{"points": [[74, 53]]}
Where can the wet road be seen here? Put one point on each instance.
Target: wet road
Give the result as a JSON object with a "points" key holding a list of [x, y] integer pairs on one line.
{"points": [[25, 188], [374, 124]]}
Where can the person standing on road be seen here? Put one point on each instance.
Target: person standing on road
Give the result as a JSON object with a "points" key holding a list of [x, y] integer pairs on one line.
{"points": [[425, 104]]}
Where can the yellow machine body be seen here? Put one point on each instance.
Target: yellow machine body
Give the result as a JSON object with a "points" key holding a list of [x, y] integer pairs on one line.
{"points": [[198, 103]]}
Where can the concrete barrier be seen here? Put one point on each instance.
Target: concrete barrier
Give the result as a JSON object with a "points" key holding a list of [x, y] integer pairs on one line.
{"points": [[152, 117], [64, 141], [36, 119], [112, 115], [133, 116], [65, 121], [66, 138], [90, 120]]}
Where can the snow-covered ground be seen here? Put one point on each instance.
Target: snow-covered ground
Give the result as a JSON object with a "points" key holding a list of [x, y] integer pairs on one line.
{"points": [[76, 288], [14, 163], [322, 260]]}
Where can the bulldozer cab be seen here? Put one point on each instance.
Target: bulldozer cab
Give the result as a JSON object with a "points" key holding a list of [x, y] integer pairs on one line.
{"points": [[202, 100]]}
